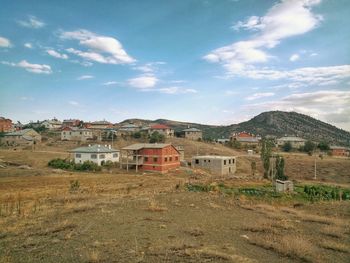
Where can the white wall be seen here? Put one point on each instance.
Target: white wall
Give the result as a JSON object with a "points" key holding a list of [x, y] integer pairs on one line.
{"points": [[87, 157]]}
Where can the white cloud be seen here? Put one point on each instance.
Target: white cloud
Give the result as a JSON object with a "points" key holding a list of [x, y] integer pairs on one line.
{"points": [[176, 90], [256, 96], [26, 98], [32, 22], [33, 68], [102, 49], [149, 67], [55, 54], [146, 81], [294, 57], [28, 45], [285, 19], [85, 77], [110, 83], [74, 103], [4, 42], [328, 105]]}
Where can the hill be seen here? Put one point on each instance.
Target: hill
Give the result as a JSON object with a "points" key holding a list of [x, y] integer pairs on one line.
{"points": [[276, 123]]}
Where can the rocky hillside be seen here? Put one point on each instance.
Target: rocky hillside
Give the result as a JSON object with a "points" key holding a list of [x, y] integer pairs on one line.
{"points": [[277, 123]]}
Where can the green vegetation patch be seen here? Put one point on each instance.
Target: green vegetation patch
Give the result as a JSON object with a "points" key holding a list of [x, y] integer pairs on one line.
{"points": [[68, 165]]}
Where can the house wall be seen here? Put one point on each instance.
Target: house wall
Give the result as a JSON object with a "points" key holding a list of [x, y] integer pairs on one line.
{"points": [[19, 140], [166, 132], [99, 157], [340, 152], [193, 135], [166, 158], [76, 135], [295, 144], [5, 125], [220, 166]]}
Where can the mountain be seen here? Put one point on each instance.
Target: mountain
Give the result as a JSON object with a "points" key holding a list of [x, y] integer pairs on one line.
{"points": [[276, 123]]}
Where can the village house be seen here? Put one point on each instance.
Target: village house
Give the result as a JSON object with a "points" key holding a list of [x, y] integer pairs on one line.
{"points": [[18, 126], [76, 134], [98, 154], [284, 186], [245, 138], [340, 151], [222, 141], [21, 137], [127, 129], [98, 125], [218, 165], [161, 129], [295, 142], [5, 125], [53, 124], [157, 157], [192, 134], [71, 123]]}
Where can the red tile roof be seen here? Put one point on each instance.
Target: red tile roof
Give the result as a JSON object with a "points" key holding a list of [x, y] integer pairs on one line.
{"points": [[159, 127]]}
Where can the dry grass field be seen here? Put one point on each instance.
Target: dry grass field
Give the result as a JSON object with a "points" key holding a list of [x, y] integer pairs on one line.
{"points": [[126, 217]]}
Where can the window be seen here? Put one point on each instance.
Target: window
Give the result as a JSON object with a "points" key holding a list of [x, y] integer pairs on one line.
{"points": [[229, 161], [197, 161], [170, 159], [176, 158], [77, 155], [155, 159], [233, 160], [208, 161], [102, 156], [146, 159], [165, 159], [224, 162], [93, 156], [205, 161], [81, 133], [115, 155]]}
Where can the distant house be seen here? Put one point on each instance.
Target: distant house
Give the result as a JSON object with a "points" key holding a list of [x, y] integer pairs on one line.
{"points": [[18, 126], [5, 125], [162, 129], [284, 186], [220, 165], [71, 123], [127, 129], [340, 151], [296, 142], [53, 124], [76, 134], [192, 134], [99, 125], [245, 138], [158, 157], [222, 141], [21, 137], [98, 154]]}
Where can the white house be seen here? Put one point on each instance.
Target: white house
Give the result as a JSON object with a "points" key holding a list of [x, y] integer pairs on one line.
{"points": [[96, 153], [76, 134], [296, 142], [53, 124]]}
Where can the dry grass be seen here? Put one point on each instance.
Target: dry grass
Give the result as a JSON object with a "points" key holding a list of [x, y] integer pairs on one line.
{"points": [[333, 231], [335, 246], [154, 206]]}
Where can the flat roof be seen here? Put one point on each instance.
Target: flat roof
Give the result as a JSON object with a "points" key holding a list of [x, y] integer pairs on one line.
{"points": [[94, 149], [212, 157], [139, 146]]}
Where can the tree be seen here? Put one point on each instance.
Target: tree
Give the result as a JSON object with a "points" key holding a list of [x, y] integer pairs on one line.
{"points": [[280, 168], [323, 146], [253, 166], [136, 135], [309, 147], [287, 147], [156, 137], [265, 155]]}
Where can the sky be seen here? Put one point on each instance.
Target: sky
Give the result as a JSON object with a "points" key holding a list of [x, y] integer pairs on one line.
{"points": [[214, 62]]}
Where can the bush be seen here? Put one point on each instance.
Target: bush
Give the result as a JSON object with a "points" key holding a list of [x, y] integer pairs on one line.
{"points": [[323, 146], [67, 165], [287, 147], [74, 185], [61, 164], [157, 137], [309, 147]]}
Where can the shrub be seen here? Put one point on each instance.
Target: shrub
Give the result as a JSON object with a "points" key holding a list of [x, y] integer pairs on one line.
{"points": [[287, 147], [74, 185], [60, 164], [67, 165], [157, 137]]}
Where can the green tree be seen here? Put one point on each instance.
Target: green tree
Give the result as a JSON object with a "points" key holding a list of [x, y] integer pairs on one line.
{"points": [[287, 147], [136, 135], [265, 155], [309, 147], [156, 137], [323, 146], [253, 166], [280, 168]]}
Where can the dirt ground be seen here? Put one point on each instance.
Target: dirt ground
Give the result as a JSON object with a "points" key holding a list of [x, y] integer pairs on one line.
{"points": [[120, 217]]}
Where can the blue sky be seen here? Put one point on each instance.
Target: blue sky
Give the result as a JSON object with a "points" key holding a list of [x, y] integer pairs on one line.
{"points": [[215, 62]]}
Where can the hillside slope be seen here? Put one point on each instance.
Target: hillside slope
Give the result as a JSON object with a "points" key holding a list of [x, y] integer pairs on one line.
{"points": [[277, 123]]}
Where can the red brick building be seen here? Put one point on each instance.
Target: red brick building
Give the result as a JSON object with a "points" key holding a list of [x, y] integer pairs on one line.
{"points": [[158, 157], [71, 123], [5, 125], [340, 151]]}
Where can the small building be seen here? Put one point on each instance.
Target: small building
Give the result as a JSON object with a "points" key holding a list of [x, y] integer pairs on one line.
{"points": [[340, 151], [76, 134], [127, 129], [98, 154], [245, 138], [5, 125], [21, 137], [192, 134], [53, 124], [222, 140], [71, 123], [161, 129], [157, 157], [99, 125], [220, 165], [284, 186], [296, 142]]}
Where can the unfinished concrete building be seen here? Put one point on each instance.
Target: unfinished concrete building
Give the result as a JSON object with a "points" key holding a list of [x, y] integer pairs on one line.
{"points": [[218, 165]]}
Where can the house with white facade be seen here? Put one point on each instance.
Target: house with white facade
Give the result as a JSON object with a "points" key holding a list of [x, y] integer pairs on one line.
{"points": [[76, 134], [98, 154], [53, 124]]}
